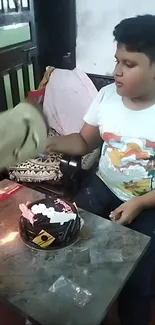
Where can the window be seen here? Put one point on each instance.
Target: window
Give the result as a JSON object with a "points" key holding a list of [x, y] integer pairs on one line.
{"points": [[14, 34]]}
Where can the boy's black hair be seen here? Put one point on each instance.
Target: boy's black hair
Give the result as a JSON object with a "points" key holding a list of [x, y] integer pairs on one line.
{"points": [[137, 34]]}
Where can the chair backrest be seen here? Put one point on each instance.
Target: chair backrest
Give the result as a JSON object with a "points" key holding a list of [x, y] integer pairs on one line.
{"points": [[15, 84], [101, 81], [68, 95], [65, 85]]}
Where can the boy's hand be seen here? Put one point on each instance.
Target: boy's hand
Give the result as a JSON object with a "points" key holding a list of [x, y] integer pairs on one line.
{"points": [[48, 148], [127, 211]]}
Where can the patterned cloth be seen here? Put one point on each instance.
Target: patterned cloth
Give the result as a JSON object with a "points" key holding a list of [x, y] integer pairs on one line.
{"points": [[38, 169]]}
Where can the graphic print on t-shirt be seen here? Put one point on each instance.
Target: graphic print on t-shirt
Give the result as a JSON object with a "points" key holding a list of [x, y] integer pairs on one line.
{"points": [[127, 165]]}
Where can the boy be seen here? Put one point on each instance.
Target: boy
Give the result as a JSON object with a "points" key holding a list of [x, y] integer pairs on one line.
{"points": [[123, 116]]}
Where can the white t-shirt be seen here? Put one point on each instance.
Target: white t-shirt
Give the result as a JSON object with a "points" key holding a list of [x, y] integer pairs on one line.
{"points": [[127, 162]]}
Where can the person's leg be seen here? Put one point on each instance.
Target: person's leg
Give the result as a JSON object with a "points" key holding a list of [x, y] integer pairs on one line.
{"points": [[135, 298], [95, 197]]}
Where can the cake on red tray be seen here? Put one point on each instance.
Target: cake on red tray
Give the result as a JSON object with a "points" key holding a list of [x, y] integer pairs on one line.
{"points": [[49, 223]]}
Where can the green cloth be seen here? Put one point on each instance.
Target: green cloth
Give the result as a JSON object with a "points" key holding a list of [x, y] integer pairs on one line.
{"points": [[23, 134]]}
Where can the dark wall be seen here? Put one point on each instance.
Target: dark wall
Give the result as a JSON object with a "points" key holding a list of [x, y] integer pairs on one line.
{"points": [[56, 32]]}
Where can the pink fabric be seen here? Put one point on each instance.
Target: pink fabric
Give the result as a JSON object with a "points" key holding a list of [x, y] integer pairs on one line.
{"points": [[26, 213], [68, 96], [37, 95]]}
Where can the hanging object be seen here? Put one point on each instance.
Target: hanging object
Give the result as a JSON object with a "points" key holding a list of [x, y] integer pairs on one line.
{"points": [[17, 5]]}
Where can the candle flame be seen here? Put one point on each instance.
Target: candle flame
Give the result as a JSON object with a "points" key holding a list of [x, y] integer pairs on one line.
{"points": [[9, 238]]}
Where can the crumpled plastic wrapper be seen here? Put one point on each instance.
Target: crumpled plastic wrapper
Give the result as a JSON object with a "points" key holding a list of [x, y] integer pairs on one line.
{"points": [[65, 288]]}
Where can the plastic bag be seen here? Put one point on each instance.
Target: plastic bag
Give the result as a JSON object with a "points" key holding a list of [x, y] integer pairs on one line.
{"points": [[107, 256], [73, 292]]}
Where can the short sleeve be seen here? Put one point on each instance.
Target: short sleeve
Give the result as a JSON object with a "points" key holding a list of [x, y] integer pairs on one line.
{"points": [[91, 117]]}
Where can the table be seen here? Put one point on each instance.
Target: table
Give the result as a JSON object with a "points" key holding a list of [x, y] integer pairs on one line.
{"points": [[101, 262]]}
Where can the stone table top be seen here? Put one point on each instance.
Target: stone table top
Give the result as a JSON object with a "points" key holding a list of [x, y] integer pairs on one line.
{"points": [[100, 261]]}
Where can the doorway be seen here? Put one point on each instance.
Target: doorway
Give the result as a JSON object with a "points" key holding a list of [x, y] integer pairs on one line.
{"points": [[56, 33]]}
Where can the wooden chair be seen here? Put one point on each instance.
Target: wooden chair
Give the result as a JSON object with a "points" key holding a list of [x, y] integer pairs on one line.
{"points": [[19, 73]]}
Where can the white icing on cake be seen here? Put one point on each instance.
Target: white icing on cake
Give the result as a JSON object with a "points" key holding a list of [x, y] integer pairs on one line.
{"points": [[54, 216], [38, 208]]}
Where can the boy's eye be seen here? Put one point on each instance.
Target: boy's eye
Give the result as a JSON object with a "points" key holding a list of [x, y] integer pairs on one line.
{"points": [[130, 64]]}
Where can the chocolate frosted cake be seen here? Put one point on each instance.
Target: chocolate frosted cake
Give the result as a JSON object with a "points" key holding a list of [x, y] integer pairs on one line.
{"points": [[49, 223]]}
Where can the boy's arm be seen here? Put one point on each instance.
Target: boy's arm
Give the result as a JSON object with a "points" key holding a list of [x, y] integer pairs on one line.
{"points": [[77, 144], [130, 210], [148, 200]]}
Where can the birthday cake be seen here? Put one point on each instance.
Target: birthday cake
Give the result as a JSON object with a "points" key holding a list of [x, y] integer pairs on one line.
{"points": [[49, 223]]}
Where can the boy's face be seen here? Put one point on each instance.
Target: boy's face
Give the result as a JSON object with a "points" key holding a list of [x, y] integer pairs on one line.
{"points": [[134, 74]]}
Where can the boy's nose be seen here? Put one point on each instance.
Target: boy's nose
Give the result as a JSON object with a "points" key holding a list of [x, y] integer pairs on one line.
{"points": [[118, 71]]}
